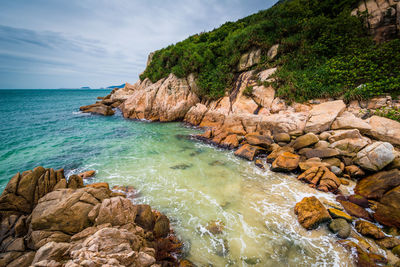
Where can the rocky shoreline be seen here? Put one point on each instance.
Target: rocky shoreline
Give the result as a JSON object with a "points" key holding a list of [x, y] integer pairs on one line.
{"points": [[47, 220]]}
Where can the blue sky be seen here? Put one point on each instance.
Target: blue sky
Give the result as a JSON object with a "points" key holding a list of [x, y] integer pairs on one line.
{"points": [[97, 43]]}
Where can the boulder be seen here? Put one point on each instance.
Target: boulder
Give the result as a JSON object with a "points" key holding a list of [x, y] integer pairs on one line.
{"points": [[385, 129], [87, 174], [98, 108], [338, 214], [344, 134], [16, 259], [231, 141], [359, 200], [388, 242], [75, 181], [323, 115], [355, 210], [52, 251], [376, 156], [311, 213], [117, 211], [340, 227], [305, 141], [368, 229], [98, 185], [354, 171], [321, 153], [248, 151], [257, 139], [249, 59], [161, 226], [348, 120], [145, 217], [195, 114], [376, 185], [66, 210], [285, 162], [281, 137], [388, 209], [321, 178], [277, 151], [263, 96], [273, 51], [350, 146], [363, 257]]}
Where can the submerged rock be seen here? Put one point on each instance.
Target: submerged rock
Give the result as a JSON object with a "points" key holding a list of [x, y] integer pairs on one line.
{"points": [[181, 166], [215, 227]]}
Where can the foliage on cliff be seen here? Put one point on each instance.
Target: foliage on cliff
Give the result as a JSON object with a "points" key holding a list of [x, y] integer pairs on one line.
{"points": [[324, 51]]}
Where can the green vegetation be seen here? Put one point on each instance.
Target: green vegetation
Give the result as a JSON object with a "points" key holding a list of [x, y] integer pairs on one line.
{"points": [[324, 52], [248, 91], [392, 113]]}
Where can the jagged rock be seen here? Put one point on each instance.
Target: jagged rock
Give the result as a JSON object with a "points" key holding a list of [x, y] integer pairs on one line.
{"points": [[321, 153], [368, 229], [336, 214], [195, 114], [248, 60], [285, 162], [248, 151], [24, 190], [340, 227], [66, 210], [116, 211], [98, 108], [348, 120], [16, 259], [376, 185], [355, 210], [259, 163], [52, 251], [388, 209], [231, 141], [305, 141], [87, 174], [354, 171], [99, 185], [41, 237], [376, 156], [323, 115], [310, 163], [145, 217], [75, 182], [311, 213], [385, 129], [265, 74], [161, 226], [277, 151], [256, 139], [273, 51], [363, 257], [321, 178]]}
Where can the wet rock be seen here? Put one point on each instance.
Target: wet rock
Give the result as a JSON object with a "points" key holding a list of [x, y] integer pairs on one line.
{"points": [[259, 163], [99, 185], [311, 213], [388, 242], [355, 210], [285, 162], [231, 141], [323, 115], [186, 263], [321, 153], [359, 200], [217, 163], [215, 227], [75, 182], [128, 190], [321, 178], [388, 209], [87, 174], [354, 171], [396, 251], [338, 214], [376, 156], [98, 108], [161, 226], [145, 217], [305, 141], [257, 139], [277, 151], [376, 185], [248, 151], [363, 257], [181, 166], [368, 229], [385, 129], [340, 227]]}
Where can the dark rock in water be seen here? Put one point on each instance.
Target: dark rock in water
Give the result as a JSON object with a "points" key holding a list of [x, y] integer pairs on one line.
{"points": [[183, 136], [388, 242], [197, 152], [340, 227], [311, 213], [222, 248], [181, 166], [217, 163], [369, 229], [363, 257], [215, 227], [186, 263], [145, 217], [161, 226], [359, 200], [98, 108], [355, 210]]}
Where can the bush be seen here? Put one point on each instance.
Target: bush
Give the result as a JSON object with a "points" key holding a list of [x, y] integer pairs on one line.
{"points": [[392, 113]]}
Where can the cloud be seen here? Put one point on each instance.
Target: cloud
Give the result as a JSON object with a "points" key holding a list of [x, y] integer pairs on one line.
{"points": [[99, 42]]}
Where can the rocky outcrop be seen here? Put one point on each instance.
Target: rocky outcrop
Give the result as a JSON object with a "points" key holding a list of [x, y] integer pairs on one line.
{"points": [[98, 108], [321, 178], [249, 59], [385, 129], [323, 115]]}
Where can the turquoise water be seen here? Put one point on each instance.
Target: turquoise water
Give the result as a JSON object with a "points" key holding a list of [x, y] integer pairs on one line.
{"points": [[191, 182]]}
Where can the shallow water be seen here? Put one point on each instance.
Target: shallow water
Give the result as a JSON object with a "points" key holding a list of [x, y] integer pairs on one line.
{"points": [[191, 182]]}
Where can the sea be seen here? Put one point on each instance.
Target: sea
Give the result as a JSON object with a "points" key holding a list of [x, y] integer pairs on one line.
{"points": [[193, 183]]}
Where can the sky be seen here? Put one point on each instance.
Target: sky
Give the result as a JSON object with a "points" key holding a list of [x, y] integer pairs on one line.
{"points": [[99, 43]]}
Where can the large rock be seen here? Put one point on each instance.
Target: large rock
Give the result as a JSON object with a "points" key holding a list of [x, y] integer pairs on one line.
{"points": [[231, 141], [277, 151], [285, 162], [340, 227], [355, 210], [116, 211], [249, 59], [311, 213], [321, 153], [368, 229], [248, 151], [320, 177], [305, 141], [67, 210], [376, 185], [257, 139], [195, 114], [98, 108], [350, 146], [348, 120], [145, 217], [388, 209], [376, 156], [323, 115], [385, 129], [24, 190]]}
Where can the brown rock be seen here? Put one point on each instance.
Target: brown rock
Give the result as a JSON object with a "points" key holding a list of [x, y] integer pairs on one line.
{"points": [[359, 200], [257, 139], [145, 217], [161, 227], [355, 210], [277, 151], [368, 229], [354, 171], [376, 185], [281, 137], [388, 209], [259, 163], [311, 213], [321, 178], [116, 211], [305, 141], [388, 242], [98, 108], [75, 182], [98, 185], [248, 151], [321, 153], [364, 258], [335, 213], [231, 141], [87, 174], [195, 114], [285, 162], [215, 227]]}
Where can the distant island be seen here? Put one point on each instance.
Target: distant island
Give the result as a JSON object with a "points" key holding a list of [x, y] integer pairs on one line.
{"points": [[116, 86]]}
